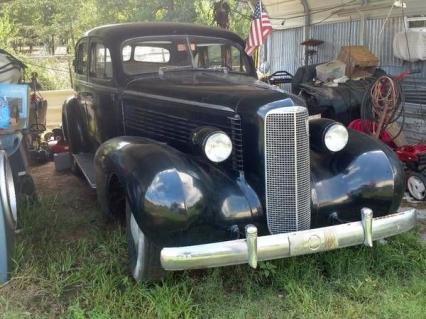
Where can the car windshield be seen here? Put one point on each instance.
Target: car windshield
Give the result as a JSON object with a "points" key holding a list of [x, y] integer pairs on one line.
{"points": [[175, 53]]}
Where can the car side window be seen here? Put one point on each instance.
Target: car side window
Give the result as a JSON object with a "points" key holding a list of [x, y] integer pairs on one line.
{"points": [[80, 62], [237, 63], [216, 55], [151, 54], [100, 61], [149, 57]]}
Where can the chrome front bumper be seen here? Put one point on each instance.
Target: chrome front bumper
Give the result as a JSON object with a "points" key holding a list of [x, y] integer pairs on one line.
{"points": [[253, 248]]}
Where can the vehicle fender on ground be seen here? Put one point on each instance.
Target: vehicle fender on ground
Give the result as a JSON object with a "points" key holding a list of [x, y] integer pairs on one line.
{"points": [[73, 124]]}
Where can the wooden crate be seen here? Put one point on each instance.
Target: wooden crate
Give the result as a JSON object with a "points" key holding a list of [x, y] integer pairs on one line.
{"points": [[360, 62]]}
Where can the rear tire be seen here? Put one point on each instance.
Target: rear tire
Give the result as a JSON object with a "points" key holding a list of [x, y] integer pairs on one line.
{"points": [[75, 169], [74, 129], [416, 185], [144, 255]]}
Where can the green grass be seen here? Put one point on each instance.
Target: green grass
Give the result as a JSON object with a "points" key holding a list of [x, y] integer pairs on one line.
{"points": [[71, 264]]}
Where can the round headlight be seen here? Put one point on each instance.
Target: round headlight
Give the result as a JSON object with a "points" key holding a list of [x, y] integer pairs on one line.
{"points": [[217, 147], [336, 137]]}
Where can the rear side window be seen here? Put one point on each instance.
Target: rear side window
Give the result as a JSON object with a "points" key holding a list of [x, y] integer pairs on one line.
{"points": [[127, 53], [144, 53], [80, 62], [100, 64], [150, 56]]}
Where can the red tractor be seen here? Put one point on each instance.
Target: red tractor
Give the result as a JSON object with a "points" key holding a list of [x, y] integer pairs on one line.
{"points": [[413, 157]]}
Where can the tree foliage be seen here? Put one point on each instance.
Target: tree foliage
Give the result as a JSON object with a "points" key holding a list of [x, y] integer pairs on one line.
{"points": [[27, 23]]}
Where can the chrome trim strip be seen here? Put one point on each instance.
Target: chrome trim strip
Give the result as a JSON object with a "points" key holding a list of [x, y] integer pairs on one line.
{"points": [[296, 189], [285, 245], [99, 86], [177, 100]]}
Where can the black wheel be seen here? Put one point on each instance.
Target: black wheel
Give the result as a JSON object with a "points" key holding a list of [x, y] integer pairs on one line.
{"points": [[74, 129], [144, 255], [416, 185], [74, 145], [75, 169], [64, 126]]}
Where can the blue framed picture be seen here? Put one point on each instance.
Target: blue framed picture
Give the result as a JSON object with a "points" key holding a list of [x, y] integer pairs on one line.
{"points": [[14, 107]]}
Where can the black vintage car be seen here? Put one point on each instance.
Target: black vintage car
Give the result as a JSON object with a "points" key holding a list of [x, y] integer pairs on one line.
{"points": [[211, 167]]}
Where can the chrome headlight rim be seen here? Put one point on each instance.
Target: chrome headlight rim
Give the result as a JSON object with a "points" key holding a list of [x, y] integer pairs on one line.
{"points": [[211, 144], [336, 137]]}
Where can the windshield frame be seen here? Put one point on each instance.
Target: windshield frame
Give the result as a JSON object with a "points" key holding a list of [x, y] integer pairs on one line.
{"points": [[187, 38]]}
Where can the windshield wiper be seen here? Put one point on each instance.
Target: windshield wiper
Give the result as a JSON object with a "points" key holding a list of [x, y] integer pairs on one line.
{"points": [[223, 69], [163, 69]]}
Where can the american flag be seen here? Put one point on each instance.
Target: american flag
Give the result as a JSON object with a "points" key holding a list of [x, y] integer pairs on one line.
{"points": [[259, 30]]}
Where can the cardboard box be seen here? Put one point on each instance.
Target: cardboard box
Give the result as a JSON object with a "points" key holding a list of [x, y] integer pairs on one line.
{"points": [[360, 62]]}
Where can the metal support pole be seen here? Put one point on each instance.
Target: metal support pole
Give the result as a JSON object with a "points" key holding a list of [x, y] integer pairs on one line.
{"points": [[306, 27]]}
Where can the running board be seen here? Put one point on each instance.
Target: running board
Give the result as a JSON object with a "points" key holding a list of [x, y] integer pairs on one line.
{"points": [[85, 162]]}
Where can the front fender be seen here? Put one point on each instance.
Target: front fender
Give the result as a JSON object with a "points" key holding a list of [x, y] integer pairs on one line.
{"points": [[366, 173], [170, 193]]}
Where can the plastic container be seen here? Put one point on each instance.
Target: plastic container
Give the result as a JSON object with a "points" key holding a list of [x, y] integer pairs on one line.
{"points": [[330, 71], [63, 161], [416, 48]]}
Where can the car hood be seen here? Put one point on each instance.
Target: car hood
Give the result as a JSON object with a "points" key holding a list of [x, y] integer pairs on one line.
{"points": [[241, 93]]}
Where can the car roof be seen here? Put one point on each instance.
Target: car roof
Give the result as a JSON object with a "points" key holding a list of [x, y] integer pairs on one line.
{"points": [[114, 33]]}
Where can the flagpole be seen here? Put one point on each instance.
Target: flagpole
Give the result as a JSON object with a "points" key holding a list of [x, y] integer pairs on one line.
{"points": [[260, 29], [261, 46]]}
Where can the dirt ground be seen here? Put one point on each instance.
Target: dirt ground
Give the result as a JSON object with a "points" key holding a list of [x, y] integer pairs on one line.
{"points": [[421, 213], [50, 182]]}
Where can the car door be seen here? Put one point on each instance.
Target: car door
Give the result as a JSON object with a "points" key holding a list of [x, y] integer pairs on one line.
{"points": [[100, 97], [81, 84]]}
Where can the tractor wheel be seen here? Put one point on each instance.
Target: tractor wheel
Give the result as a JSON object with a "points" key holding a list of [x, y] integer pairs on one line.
{"points": [[416, 185]]}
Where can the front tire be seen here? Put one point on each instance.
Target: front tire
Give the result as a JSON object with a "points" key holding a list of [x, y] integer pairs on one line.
{"points": [[144, 255], [416, 185]]}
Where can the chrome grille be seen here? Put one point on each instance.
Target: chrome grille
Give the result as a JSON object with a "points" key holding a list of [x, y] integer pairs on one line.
{"points": [[287, 169]]}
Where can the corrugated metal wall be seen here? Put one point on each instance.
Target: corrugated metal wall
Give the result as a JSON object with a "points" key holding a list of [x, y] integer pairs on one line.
{"points": [[284, 52], [383, 46], [334, 35]]}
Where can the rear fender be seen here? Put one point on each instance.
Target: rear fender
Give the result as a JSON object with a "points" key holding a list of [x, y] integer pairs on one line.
{"points": [[74, 125]]}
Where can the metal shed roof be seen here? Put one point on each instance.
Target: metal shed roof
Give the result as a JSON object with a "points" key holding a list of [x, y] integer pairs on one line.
{"points": [[295, 13]]}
